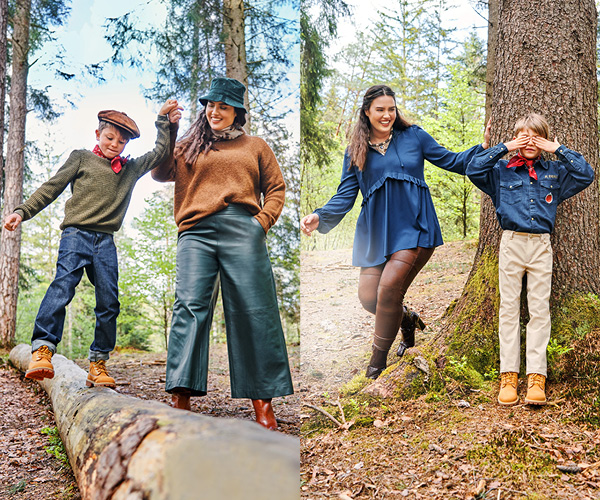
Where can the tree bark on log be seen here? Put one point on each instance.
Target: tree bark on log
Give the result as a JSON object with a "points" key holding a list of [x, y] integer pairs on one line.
{"points": [[123, 448]]}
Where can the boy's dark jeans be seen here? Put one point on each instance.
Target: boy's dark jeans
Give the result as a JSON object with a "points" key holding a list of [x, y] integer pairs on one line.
{"points": [[96, 253]]}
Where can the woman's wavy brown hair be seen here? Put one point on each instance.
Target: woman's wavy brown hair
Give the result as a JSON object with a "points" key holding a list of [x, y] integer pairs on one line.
{"points": [[359, 139], [200, 139]]}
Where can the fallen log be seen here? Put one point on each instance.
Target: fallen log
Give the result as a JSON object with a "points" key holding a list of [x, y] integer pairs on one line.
{"points": [[123, 448]]}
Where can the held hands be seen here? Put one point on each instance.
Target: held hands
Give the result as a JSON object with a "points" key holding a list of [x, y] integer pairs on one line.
{"points": [[12, 221], [172, 109], [309, 223]]}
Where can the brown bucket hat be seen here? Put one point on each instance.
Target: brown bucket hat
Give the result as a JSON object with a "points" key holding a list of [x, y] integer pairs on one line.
{"points": [[121, 120]]}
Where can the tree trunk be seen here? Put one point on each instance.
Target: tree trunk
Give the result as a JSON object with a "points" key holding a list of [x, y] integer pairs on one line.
{"points": [[3, 39], [235, 44], [10, 242], [125, 448], [550, 70]]}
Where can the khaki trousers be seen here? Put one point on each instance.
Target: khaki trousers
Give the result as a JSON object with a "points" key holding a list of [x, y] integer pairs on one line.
{"points": [[522, 253]]}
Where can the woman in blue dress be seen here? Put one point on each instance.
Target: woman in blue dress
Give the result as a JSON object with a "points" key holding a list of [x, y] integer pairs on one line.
{"points": [[397, 229]]}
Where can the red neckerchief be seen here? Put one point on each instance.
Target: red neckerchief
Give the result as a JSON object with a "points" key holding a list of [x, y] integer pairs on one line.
{"points": [[116, 163], [518, 160]]}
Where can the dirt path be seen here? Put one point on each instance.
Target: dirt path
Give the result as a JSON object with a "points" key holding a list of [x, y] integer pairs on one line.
{"points": [[452, 445], [29, 472]]}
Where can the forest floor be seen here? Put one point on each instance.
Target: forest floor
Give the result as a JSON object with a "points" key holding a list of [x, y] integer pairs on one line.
{"points": [[30, 464], [461, 445]]}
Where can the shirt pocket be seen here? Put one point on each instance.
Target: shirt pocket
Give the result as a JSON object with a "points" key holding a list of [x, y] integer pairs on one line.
{"points": [[549, 191], [511, 192]]}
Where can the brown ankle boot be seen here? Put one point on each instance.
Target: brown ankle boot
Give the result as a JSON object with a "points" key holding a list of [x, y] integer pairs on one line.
{"points": [[40, 366], [180, 399], [536, 394], [508, 389], [264, 413], [98, 375]]}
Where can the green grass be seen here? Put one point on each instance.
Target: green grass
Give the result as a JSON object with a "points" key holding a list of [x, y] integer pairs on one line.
{"points": [[56, 447]]}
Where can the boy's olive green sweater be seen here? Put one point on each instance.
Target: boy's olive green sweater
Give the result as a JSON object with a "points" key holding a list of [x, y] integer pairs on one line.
{"points": [[100, 197]]}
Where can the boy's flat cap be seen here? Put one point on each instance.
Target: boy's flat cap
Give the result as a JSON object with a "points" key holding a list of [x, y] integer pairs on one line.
{"points": [[120, 119]]}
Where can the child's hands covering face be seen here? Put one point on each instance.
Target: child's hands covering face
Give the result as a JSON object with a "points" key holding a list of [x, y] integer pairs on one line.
{"points": [[517, 143], [172, 109], [545, 144]]}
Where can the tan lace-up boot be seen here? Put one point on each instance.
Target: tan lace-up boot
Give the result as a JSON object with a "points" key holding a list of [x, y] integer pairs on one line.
{"points": [[536, 394], [98, 375], [40, 366], [508, 388]]}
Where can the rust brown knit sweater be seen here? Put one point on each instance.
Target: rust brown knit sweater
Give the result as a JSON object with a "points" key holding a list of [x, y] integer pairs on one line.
{"points": [[238, 172]]}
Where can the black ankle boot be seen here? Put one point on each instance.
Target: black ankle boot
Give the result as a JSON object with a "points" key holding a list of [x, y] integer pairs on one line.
{"points": [[377, 363], [410, 321]]}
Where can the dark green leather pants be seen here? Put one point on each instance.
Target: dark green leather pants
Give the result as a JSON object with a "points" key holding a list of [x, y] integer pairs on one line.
{"points": [[230, 243]]}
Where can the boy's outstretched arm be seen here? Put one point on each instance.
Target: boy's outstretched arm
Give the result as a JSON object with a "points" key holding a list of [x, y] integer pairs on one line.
{"points": [[12, 221], [163, 172]]}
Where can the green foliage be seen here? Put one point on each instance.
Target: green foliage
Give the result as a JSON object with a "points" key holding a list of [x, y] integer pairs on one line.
{"points": [[411, 41], [457, 125], [147, 278], [56, 447]]}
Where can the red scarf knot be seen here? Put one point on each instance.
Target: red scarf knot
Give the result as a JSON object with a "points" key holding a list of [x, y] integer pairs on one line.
{"points": [[518, 161], [116, 163]]}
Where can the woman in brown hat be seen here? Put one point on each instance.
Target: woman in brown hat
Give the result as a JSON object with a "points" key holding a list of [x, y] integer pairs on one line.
{"points": [[220, 174]]}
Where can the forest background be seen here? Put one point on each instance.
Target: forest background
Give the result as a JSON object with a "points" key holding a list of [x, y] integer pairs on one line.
{"points": [[88, 56]]}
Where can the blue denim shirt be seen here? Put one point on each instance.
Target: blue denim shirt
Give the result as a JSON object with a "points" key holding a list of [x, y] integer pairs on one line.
{"points": [[522, 203]]}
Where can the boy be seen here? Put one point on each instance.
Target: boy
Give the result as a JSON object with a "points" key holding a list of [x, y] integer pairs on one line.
{"points": [[101, 184], [526, 191]]}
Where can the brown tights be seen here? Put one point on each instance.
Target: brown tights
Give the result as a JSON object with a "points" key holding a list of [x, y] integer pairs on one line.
{"points": [[381, 291]]}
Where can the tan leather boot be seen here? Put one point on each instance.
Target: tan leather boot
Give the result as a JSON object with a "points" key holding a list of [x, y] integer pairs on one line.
{"points": [[40, 366], [264, 413], [536, 394], [98, 375], [508, 389]]}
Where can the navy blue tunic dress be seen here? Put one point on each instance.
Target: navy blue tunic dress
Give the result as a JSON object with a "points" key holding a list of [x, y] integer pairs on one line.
{"points": [[397, 210]]}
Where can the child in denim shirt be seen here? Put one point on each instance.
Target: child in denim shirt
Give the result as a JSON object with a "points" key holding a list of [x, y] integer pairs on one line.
{"points": [[526, 191]]}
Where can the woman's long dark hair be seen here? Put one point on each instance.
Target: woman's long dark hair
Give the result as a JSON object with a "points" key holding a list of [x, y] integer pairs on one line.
{"points": [[359, 139], [200, 139]]}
